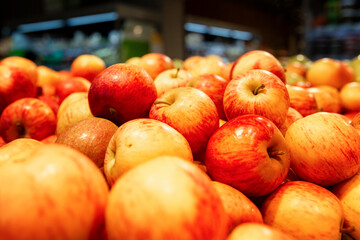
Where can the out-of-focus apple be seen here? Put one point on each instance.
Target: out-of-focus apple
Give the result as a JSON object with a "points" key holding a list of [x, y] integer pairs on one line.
{"points": [[74, 108], [292, 116], [335, 95], [325, 101], [155, 63], [20, 146], [190, 62], [324, 148], [22, 63], [222, 122], [52, 101], [350, 97], [257, 231], [87, 66], [355, 122], [171, 78], [302, 100], [141, 140], [133, 60], [328, 71], [248, 153], [71, 85], [62, 195], [191, 112], [209, 65], [50, 139], [47, 80], [122, 92], [305, 211], [2, 141], [90, 136], [238, 207], [257, 92], [348, 192], [172, 194], [214, 86], [296, 68], [14, 84], [29, 118], [258, 59]]}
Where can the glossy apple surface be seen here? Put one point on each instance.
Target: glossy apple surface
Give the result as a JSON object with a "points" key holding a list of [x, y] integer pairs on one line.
{"points": [[302, 100], [155, 63], [171, 78]]}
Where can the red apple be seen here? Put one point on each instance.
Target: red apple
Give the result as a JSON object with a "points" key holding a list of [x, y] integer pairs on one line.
{"points": [[302, 100], [122, 92], [258, 59], [52, 101], [324, 148], [49, 139], [191, 112], [87, 66], [141, 140], [292, 116], [248, 153], [350, 97], [211, 64], [90, 136], [325, 102], [14, 84], [71, 85], [257, 231], [47, 80], [214, 86], [165, 198], [27, 117], [23, 64], [52, 192], [16, 148], [191, 61], [305, 211], [257, 92], [238, 207], [171, 78], [155, 63]]}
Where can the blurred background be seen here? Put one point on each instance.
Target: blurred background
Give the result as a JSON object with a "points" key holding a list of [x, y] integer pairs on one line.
{"points": [[54, 32]]}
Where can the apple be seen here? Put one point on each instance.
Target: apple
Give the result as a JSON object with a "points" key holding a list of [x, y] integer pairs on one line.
{"points": [[328, 71], [52, 192], [348, 193], [72, 109], [190, 62], [257, 231], [292, 116], [248, 153], [122, 92], [214, 86], [47, 80], [165, 198], [324, 148], [325, 101], [27, 117], [17, 147], [350, 97], [258, 59], [296, 68], [14, 84], [50, 139], [335, 94], [171, 78], [87, 66], [191, 112], [71, 85], [2, 141], [257, 92], [155, 63], [134, 60], [355, 122], [90, 136], [302, 100], [209, 65], [141, 140], [26, 65], [52, 101], [305, 211], [238, 207]]}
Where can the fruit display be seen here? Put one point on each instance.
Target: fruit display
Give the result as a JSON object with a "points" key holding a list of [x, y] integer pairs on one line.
{"points": [[196, 148]]}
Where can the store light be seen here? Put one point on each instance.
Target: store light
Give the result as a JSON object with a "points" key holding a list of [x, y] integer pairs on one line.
{"points": [[241, 35], [194, 27], [41, 26], [91, 19], [221, 32]]}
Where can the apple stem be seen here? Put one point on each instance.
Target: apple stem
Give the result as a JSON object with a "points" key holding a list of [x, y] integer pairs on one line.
{"points": [[161, 102], [276, 153], [259, 89], [348, 229], [21, 130], [176, 74], [112, 111]]}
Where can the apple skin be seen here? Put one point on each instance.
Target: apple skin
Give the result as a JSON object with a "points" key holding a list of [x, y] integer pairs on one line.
{"points": [[258, 59], [17, 147], [52, 101], [292, 116], [62, 195], [271, 101], [324, 148], [324, 101], [350, 97], [305, 211], [155, 63], [74, 108], [134, 60], [171, 78], [2, 141], [87, 66], [141, 140], [210, 64], [214, 86], [24, 64], [184, 206], [71, 85], [49, 139], [90, 136], [47, 80], [191, 112], [248, 153], [302, 100], [191, 61], [27, 117], [14, 84], [348, 193], [238, 207], [257, 231], [122, 92]]}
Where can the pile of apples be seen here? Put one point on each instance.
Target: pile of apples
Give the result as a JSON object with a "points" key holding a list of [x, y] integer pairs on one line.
{"points": [[211, 150]]}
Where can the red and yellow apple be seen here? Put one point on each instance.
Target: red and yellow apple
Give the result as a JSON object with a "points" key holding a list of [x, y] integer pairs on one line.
{"points": [[171, 78], [155, 63], [71, 85], [22, 63], [302, 100], [87, 66], [350, 97], [17, 147], [209, 65], [257, 231], [292, 116]]}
